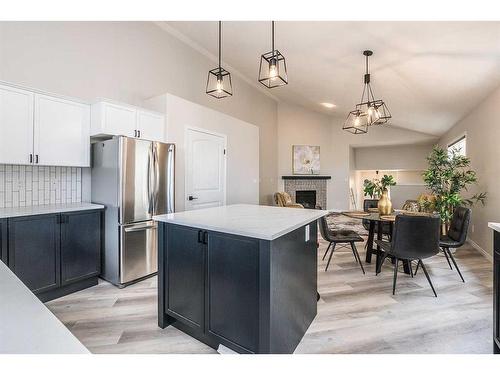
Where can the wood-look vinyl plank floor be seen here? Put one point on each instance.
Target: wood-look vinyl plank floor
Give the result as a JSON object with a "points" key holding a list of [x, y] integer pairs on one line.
{"points": [[356, 314]]}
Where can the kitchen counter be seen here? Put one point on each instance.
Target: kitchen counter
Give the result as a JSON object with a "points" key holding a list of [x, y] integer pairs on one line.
{"points": [[496, 286], [262, 222], [26, 325], [47, 209], [241, 276]]}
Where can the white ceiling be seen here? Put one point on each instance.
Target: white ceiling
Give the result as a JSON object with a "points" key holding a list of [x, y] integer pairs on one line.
{"points": [[431, 74]]}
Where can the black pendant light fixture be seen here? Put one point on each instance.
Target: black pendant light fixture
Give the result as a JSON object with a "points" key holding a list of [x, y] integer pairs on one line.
{"points": [[272, 70], [219, 83], [369, 111]]}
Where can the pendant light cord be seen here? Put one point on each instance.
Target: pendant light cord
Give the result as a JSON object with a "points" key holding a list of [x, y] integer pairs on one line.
{"points": [[272, 36], [220, 26]]}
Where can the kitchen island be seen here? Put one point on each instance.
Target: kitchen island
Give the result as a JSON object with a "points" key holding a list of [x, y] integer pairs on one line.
{"points": [[496, 286], [241, 276]]}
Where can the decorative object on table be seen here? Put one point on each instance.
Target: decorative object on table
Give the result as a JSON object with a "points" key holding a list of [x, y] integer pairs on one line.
{"points": [[219, 83], [272, 70], [369, 111], [305, 159], [448, 175], [357, 213], [373, 209], [283, 199], [380, 187], [388, 217]]}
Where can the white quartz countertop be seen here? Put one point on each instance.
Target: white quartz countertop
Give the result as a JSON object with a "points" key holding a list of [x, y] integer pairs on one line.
{"points": [[494, 226], [47, 209], [26, 324], [263, 222]]}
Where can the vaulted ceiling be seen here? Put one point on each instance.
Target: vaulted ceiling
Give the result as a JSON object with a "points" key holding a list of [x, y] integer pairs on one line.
{"points": [[431, 74]]}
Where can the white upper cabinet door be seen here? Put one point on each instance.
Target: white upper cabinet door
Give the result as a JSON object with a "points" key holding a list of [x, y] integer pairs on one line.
{"points": [[16, 125], [61, 132], [151, 125], [113, 119]]}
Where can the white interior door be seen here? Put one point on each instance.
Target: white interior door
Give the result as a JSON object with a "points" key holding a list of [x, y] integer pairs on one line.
{"points": [[205, 169], [16, 126]]}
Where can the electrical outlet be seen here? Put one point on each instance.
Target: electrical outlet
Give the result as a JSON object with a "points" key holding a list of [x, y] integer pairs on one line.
{"points": [[307, 233]]}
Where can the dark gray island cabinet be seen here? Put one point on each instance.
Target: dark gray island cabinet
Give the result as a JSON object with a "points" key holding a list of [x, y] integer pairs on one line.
{"points": [[496, 286], [241, 276]]}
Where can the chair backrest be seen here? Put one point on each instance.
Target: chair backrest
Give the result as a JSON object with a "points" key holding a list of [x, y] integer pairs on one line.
{"points": [[369, 203], [459, 224], [323, 228], [282, 198], [411, 205], [416, 237]]}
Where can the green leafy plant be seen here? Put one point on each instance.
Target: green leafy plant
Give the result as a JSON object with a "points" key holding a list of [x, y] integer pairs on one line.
{"points": [[374, 188], [447, 177]]}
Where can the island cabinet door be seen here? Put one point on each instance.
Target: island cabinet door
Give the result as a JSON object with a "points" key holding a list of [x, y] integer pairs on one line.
{"points": [[34, 254], [232, 309], [80, 245], [185, 275]]}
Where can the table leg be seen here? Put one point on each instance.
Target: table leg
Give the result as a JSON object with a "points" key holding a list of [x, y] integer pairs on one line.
{"points": [[369, 242]]}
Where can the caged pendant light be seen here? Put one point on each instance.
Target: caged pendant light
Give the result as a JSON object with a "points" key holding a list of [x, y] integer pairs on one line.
{"points": [[219, 83], [369, 111], [272, 70]]}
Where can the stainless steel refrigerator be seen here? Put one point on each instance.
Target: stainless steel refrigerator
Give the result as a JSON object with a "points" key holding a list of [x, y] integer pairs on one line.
{"points": [[134, 179]]}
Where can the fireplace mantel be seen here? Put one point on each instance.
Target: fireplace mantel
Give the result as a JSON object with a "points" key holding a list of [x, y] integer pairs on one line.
{"points": [[306, 177]]}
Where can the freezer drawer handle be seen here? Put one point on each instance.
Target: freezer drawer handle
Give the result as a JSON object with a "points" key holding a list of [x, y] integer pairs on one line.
{"points": [[139, 229]]}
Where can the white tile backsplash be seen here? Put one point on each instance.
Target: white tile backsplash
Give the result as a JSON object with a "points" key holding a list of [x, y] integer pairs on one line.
{"points": [[22, 185]]}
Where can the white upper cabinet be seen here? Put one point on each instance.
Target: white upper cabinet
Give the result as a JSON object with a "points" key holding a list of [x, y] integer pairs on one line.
{"points": [[151, 125], [16, 126], [109, 118], [61, 132], [113, 119]]}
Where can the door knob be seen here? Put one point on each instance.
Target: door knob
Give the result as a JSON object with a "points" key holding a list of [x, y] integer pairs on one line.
{"points": [[192, 198]]}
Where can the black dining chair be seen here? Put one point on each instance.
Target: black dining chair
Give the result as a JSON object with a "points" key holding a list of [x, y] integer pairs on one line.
{"points": [[414, 238], [342, 237], [373, 203], [456, 236]]}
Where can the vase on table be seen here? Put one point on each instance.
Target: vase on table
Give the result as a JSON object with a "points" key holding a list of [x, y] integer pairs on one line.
{"points": [[384, 204]]}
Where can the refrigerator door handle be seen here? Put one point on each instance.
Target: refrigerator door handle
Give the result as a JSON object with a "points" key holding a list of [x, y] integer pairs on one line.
{"points": [[150, 179], [157, 176]]}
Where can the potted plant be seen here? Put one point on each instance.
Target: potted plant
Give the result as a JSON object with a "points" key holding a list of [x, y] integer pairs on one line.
{"points": [[380, 188], [447, 177]]}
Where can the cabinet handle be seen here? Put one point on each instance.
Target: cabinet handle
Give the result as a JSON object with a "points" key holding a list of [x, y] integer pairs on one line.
{"points": [[135, 133], [31, 158], [199, 236], [36, 159], [139, 132], [205, 238]]}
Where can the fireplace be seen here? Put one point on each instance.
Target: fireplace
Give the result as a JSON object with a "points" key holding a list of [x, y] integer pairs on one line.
{"points": [[307, 198]]}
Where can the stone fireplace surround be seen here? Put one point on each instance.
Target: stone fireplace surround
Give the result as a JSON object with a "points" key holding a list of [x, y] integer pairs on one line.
{"points": [[306, 182]]}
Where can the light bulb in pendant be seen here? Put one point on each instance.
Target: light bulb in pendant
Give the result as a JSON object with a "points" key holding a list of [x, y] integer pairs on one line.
{"points": [[357, 121], [220, 86], [273, 69]]}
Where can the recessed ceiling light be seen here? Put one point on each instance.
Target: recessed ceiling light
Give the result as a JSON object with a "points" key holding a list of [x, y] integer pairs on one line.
{"points": [[328, 105]]}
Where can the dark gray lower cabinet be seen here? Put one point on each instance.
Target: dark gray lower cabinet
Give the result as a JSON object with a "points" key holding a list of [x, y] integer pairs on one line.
{"points": [[55, 254], [250, 295], [34, 254], [80, 246], [3, 240]]}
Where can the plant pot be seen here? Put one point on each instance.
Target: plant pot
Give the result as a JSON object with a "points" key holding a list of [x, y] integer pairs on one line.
{"points": [[384, 204]]}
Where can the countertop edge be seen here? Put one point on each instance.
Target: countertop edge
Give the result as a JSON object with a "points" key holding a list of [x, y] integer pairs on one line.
{"points": [[6, 213], [494, 226], [243, 233]]}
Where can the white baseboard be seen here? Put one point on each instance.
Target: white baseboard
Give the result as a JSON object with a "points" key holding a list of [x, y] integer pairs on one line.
{"points": [[481, 250]]}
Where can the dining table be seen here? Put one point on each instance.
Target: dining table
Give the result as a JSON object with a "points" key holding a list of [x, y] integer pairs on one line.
{"points": [[376, 220]]}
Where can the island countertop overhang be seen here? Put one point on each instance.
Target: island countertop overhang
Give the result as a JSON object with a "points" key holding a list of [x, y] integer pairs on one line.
{"points": [[494, 226], [261, 222]]}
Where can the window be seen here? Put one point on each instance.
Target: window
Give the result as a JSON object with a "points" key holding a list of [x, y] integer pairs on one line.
{"points": [[459, 146]]}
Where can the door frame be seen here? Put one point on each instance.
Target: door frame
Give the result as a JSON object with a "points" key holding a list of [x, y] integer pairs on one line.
{"points": [[224, 167]]}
